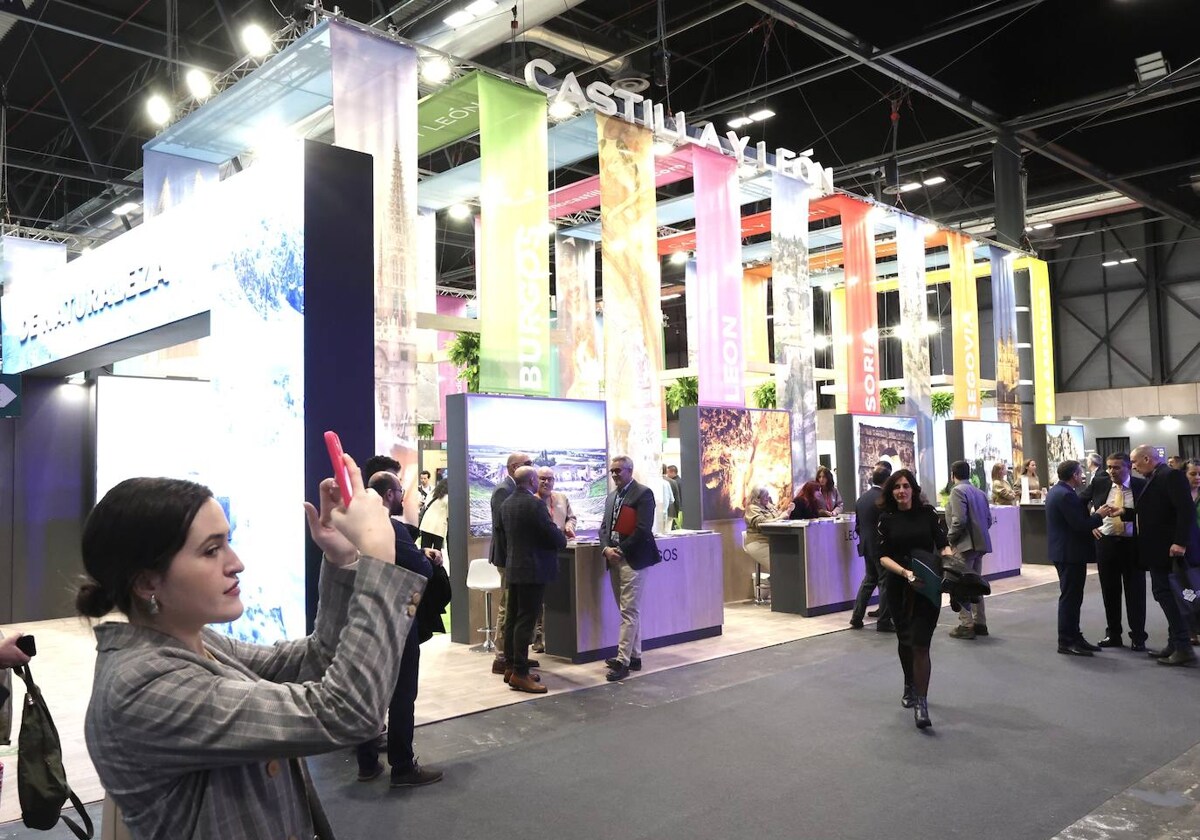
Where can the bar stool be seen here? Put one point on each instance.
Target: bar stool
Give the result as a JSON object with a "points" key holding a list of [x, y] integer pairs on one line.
{"points": [[484, 577], [758, 576]]}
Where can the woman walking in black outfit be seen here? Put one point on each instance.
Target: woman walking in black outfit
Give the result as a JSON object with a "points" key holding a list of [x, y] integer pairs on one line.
{"points": [[909, 523]]}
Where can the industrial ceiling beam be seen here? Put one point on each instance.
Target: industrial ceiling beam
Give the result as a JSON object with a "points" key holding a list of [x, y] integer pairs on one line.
{"points": [[846, 43], [77, 175]]}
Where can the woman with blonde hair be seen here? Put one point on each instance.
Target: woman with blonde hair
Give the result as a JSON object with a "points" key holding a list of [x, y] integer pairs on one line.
{"points": [[1002, 492], [760, 509]]}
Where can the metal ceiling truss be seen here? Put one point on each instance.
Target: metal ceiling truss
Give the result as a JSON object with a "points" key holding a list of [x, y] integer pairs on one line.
{"points": [[846, 43]]}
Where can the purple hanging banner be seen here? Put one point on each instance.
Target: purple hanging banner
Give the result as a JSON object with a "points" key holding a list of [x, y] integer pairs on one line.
{"points": [[719, 350]]}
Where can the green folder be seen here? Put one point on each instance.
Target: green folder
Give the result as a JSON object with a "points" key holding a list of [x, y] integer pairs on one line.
{"points": [[933, 581]]}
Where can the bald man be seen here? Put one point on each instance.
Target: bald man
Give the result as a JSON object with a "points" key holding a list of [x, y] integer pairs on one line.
{"points": [[530, 542], [503, 490], [1167, 540]]}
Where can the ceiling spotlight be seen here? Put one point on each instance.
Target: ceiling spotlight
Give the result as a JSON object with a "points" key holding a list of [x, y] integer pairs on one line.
{"points": [[971, 164], [934, 181], [481, 7], [1043, 225], [125, 209], [436, 69], [256, 40], [158, 109], [679, 295], [1128, 260], [1109, 263], [679, 257], [561, 109], [662, 148], [760, 115], [198, 84], [459, 18], [738, 122], [931, 327], [909, 187], [1150, 67], [459, 212], [821, 341], [929, 229]]}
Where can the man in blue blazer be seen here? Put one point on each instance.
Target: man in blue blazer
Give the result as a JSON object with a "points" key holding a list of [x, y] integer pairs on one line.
{"points": [[1071, 547], [629, 551]]}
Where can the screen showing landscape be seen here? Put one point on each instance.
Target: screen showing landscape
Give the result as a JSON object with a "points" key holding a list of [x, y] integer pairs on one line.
{"points": [[741, 448], [569, 436]]}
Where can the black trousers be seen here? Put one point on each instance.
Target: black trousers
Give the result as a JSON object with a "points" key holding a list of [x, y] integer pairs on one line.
{"points": [[1117, 562], [1177, 624], [524, 606], [1071, 577], [401, 714], [873, 577]]}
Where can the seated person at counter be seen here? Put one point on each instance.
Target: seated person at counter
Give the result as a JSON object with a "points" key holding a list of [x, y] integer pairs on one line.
{"points": [[1029, 480], [759, 509], [808, 503], [1002, 492], [908, 523], [830, 497]]}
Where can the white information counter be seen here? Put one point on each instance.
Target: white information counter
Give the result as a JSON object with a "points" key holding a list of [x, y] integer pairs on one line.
{"points": [[683, 598]]}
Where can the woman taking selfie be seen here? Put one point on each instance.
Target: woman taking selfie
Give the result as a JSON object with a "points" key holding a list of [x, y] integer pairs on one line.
{"points": [[908, 523], [197, 735]]}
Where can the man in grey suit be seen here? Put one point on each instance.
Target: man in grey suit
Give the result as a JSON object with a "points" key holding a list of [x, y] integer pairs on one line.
{"points": [[530, 542], [627, 535], [503, 490], [968, 521]]}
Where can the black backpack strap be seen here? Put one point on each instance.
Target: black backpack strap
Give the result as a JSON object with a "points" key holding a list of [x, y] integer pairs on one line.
{"points": [[88, 831]]}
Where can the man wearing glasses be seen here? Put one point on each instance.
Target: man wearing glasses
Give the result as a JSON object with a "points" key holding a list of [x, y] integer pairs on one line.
{"points": [[627, 537], [1116, 555]]}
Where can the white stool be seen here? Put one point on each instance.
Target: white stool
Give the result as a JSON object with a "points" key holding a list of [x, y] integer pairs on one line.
{"points": [[758, 576], [484, 577]]}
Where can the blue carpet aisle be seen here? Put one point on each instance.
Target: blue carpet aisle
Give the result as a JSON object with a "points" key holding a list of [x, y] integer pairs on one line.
{"points": [[807, 740]]}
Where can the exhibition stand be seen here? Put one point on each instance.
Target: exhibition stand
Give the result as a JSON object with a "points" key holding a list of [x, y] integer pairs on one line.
{"points": [[815, 567], [1007, 553], [1033, 533], [682, 599]]}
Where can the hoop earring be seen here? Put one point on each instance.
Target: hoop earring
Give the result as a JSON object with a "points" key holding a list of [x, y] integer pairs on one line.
{"points": [[152, 606]]}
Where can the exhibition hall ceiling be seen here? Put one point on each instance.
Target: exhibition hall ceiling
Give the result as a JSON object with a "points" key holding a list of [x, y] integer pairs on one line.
{"points": [[925, 85]]}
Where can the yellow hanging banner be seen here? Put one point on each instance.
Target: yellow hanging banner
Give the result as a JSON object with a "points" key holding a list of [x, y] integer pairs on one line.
{"points": [[840, 346], [964, 308], [1043, 343]]}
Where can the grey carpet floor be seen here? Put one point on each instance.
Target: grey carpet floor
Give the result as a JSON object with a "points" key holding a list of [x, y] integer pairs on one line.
{"points": [[804, 740]]}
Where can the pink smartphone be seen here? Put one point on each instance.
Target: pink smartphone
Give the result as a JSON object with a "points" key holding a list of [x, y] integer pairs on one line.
{"points": [[340, 471]]}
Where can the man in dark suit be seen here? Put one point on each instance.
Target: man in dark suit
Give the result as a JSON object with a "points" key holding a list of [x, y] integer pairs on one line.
{"points": [[1116, 550], [1071, 547], [530, 542], [406, 772], [1167, 538], [503, 490], [968, 527], [627, 537], [866, 526]]}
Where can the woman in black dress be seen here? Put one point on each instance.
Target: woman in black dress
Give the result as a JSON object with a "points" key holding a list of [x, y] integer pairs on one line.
{"points": [[906, 524]]}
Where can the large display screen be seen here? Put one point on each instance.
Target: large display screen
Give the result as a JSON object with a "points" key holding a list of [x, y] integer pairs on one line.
{"points": [[569, 436], [884, 438], [1063, 443], [740, 449], [985, 444]]}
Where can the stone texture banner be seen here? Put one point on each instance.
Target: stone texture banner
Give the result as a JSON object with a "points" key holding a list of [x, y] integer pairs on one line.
{"points": [[914, 347], [632, 308], [580, 358]]}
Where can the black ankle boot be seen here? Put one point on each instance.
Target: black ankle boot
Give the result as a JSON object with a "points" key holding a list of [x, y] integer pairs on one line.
{"points": [[921, 713], [908, 699]]}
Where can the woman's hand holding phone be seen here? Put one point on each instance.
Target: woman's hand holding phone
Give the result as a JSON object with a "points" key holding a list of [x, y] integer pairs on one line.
{"points": [[343, 531]]}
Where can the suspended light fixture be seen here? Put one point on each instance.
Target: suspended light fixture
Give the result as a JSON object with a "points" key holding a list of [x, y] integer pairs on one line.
{"points": [[158, 109], [256, 40], [198, 84]]}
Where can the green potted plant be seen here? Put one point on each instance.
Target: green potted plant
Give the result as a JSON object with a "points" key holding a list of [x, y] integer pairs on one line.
{"points": [[890, 399], [764, 394], [463, 353], [942, 404], [683, 391]]}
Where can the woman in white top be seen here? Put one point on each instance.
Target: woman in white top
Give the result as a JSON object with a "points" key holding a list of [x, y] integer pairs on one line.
{"points": [[434, 522]]}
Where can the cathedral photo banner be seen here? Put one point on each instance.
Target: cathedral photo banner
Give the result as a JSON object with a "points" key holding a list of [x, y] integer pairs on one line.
{"points": [[1004, 319], [914, 347], [514, 254], [795, 345], [964, 310], [720, 354], [580, 361], [633, 356], [1043, 342], [375, 111], [862, 317]]}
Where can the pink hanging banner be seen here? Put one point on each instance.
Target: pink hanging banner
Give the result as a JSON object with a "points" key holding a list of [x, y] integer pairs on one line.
{"points": [[585, 194], [719, 353]]}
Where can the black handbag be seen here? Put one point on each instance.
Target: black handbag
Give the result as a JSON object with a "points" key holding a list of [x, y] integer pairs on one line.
{"points": [[41, 780], [1185, 583]]}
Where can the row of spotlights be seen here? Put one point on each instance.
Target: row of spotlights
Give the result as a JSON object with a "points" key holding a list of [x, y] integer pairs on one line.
{"points": [[159, 109]]}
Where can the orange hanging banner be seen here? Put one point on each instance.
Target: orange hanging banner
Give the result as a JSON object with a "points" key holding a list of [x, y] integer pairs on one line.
{"points": [[862, 320]]}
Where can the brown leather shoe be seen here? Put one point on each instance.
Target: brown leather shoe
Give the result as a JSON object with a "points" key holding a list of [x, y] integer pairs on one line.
{"points": [[508, 673], [524, 682], [499, 665]]}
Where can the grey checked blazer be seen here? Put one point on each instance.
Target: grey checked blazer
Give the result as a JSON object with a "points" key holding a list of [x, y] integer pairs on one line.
{"points": [[191, 747]]}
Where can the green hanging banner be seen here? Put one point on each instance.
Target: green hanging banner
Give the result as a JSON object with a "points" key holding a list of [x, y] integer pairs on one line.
{"points": [[514, 258], [449, 115]]}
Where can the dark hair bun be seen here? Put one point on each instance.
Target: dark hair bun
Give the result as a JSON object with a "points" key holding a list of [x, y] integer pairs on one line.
{"points": [[92, 601]]}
